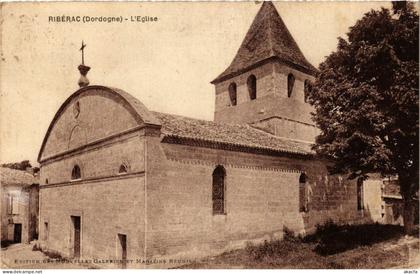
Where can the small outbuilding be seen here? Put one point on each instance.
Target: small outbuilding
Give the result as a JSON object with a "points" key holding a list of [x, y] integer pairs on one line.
{"points": [[19, 205]]}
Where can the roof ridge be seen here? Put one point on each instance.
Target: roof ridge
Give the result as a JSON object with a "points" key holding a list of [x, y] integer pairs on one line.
{"points": [[270, 37], [199, 119], [279, 137], [177, 115]]}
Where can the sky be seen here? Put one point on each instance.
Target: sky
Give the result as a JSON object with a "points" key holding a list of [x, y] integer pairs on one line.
{"points": [[167, 64]]}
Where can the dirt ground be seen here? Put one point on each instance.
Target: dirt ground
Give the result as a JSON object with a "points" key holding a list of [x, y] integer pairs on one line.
{"points": [[21, 256], [402, 253], [397, 253]]}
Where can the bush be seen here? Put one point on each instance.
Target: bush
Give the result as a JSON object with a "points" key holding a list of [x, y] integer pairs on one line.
{"points": [[274, 248], [331, 238]]}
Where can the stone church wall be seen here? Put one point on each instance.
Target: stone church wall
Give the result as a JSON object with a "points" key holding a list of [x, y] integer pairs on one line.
{"points": [[262, 197], [99, 130], [101, 161], [286, 128], [271, 102], [75, 127], [108, 202], [106, 209], [271, 82]]}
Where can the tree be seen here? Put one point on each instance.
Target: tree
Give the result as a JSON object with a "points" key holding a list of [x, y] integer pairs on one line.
{"points": [[366, 101], [23, 165]]}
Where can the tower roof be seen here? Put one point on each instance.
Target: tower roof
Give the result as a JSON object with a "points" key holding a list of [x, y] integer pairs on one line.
{"points": [[267, 38]]}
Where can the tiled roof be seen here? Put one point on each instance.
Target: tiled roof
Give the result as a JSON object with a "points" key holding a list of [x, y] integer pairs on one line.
{"points": [[267, 38], [10, 176], [222, 135]]}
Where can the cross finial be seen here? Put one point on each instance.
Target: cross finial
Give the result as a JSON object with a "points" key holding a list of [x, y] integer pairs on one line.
{"points": [[83, 81], [83, 52]]}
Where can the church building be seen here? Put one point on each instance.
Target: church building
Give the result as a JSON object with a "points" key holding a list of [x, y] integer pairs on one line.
{"points": [[119, 181]]}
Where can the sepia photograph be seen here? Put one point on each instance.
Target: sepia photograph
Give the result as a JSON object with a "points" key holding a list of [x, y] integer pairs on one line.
{"points": [[209, 135]]}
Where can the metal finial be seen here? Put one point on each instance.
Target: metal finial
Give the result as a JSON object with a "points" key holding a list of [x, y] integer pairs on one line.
{"points": [[83, 52]]}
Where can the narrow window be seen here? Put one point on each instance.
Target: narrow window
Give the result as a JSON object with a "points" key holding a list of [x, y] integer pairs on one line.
{"points": [[15, 205], [290, 84], [76, 109], [306, 90], [45, 231], [10, 204], [303, 202], [46, 181], [360, 194], [122, 239], [232, 94], [75, 173], [218, 196], [252, 87]]}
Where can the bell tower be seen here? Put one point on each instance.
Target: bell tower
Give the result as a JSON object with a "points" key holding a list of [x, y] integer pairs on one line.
{"points": [[266, 83]]}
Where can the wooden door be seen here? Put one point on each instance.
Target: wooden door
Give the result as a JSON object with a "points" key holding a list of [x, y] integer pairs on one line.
{"points": [[17, 235], [76, 236], [123, 249]]}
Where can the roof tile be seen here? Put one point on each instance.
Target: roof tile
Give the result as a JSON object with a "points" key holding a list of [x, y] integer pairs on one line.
{"points": [[10, 176], [229, 134]]}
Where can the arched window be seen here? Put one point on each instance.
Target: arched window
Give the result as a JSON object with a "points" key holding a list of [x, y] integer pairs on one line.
{"points": [[303, 202], [123, 169], [46, 181], [75, 173], [218, 195], [232, 94], [290, 84], [360, 194], [306, 90], [252, 87]]}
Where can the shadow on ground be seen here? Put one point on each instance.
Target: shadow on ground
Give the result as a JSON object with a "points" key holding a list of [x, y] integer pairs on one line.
{"points": [[332, 239]]}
